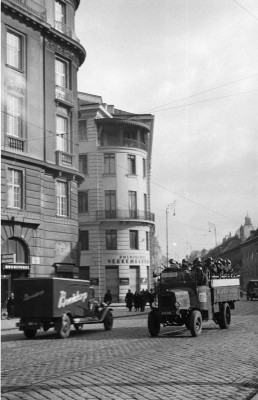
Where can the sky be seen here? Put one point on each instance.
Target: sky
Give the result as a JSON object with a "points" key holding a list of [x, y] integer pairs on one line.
{"points": [[193, 64]]}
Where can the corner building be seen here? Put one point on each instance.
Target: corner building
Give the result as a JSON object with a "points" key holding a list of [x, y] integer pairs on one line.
{"points": [[116, 226], [40, 175]]}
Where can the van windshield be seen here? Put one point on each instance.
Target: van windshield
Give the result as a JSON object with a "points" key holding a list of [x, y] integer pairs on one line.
{"points": [[171, 277]]}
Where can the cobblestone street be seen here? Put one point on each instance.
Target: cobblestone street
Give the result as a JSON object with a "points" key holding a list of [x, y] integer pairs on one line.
{"points": [[126, 363]]}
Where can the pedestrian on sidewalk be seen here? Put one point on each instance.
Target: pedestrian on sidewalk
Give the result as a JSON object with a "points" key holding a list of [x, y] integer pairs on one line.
{"points": [[136, 301], [10, 306], [108, 298], [129, 300]]}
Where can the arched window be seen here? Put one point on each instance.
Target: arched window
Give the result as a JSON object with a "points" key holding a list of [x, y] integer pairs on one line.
{"points": [[16, 246]]}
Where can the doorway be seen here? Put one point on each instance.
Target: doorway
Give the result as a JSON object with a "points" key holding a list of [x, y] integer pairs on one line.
{"points": [[134, 278], [112, 281]]}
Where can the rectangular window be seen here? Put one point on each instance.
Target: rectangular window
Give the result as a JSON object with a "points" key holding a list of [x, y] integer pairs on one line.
{"points": [[84, 240], [14, 50], [134, 243], [131, 164], [14, 188], [61, 73], [83, 129], [62, 198], [14, 116], [132, 204], [83, 164], [147, 241], [145, 204], [144, 167], [109, 163], [60, 16], [62, 133], [111, 240], [83, 206], [110, 203]]}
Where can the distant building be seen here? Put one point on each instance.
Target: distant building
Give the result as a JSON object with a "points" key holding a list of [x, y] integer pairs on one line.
{"points": [[40, 59], [249, 251], [115, 219]]}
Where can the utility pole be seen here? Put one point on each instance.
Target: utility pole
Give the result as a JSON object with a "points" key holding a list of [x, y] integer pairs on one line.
{"points": [[169, 207]]}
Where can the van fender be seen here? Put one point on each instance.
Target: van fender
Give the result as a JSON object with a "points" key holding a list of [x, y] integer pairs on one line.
{"points": [[103, 312]]}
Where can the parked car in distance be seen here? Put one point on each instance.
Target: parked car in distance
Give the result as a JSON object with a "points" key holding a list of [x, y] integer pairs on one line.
{"points": [[252, 289]]}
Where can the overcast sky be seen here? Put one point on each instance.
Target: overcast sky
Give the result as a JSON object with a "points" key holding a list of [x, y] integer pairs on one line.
{"points": [[194, 65]]}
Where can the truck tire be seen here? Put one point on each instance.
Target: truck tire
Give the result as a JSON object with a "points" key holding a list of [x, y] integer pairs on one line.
{"points": [[108, 321], [153, 323], [30, 333], [65, 328], [195, 323], [224, 317]]}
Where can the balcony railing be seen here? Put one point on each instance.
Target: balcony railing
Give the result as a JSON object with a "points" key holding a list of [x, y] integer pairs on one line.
{"points": [[135, 143], [32, 7], [125, 215], [64, 159], [61, 27], [14, 143], [64, 95]]}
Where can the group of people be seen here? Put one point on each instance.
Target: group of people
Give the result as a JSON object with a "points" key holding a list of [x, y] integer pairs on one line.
{"points": [[138, 300], [219, 267]]}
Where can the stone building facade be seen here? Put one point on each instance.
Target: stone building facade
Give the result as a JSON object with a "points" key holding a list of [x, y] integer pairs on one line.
{"points": [[40, 59], [115, 219]]}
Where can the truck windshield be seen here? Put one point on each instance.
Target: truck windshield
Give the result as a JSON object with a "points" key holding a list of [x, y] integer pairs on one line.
{"points": [[171, 278]]}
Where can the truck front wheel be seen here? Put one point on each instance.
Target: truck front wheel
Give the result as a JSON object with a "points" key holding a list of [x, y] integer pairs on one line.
{"points": [[30, 333], [224, 318], [195, 323], [153, 324], [65, 328]]}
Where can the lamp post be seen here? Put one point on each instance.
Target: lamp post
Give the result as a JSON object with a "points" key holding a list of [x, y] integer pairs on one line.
{"points": [[211, 225], [169, 207]]}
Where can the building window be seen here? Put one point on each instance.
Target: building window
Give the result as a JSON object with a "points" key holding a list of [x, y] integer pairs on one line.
{"points": [[134, 242], [83, 206], [61, 73], [109, 163], [110, 203], [14, 50], [62, 198], [111, 240], [131, 164], [60, 16], [83, 164], [145, 204], [144, 167], [147, 241], [14, 188], [14, 116], [83, 129], [132, 204], [84, 240], [62, 130]]}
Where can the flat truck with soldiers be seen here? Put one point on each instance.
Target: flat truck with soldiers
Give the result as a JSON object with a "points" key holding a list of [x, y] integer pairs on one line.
{"points": [[188, 295]]}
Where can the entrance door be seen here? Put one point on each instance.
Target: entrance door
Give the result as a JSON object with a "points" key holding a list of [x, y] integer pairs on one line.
{"points": [[134, 279], [112, 281]]}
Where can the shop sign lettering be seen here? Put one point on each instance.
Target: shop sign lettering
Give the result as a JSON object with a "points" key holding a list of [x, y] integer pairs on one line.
{"points": [[128, 260]]}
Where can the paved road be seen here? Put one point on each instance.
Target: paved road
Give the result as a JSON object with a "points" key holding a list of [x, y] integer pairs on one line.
{"points": [[126, 363]]}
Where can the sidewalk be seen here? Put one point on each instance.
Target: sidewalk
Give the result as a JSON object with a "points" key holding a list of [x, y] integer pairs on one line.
{"points": [[119, 311]]}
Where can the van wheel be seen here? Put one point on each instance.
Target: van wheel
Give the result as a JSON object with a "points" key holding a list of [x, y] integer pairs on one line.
{"points": [[153, 323], [30, 333], [65, 329], [195, 323], [224, 316], [108, 321]]}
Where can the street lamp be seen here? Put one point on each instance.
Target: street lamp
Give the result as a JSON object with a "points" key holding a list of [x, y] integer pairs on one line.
{"points": [[211, 225], [169, 207]]}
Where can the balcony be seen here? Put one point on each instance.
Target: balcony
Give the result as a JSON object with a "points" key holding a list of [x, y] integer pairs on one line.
{"points": [[14, 143], [135, 143], [32, 7], [64, 159], [125, 215], [64, 95]]}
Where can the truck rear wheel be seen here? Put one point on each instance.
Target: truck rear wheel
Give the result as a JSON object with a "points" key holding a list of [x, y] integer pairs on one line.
{"points": [[65, 328], [224, 317], [195, 323], [153, 323], [30, 333], [108, 321]]}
